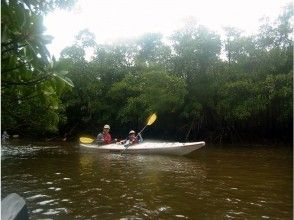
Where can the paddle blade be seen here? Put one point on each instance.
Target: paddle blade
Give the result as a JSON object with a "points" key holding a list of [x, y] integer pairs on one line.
{"points": [[151, 119], [86, 140]]}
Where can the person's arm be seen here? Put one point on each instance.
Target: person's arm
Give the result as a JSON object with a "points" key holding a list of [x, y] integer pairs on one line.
{"points": [[124, 141], [140, 139], [100, 138]]}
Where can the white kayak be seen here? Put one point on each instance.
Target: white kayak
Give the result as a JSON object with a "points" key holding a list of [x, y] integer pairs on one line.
{"points": [[167, 148]]}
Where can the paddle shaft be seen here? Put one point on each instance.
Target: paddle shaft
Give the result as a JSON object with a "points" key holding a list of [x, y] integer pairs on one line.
{"points": [[141, 130]]}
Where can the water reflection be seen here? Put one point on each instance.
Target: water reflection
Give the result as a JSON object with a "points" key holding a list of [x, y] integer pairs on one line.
{"points": [[139, 184], [149, 170]]}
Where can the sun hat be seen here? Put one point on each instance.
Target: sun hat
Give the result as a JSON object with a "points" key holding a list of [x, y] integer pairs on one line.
{"points": [[107, 126]]}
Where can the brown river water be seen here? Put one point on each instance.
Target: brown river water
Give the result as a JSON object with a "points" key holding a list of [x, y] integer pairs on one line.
{"points": [[62, 181]]}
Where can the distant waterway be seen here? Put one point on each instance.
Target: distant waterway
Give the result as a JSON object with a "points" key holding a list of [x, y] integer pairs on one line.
{"points": [[62, 181]]}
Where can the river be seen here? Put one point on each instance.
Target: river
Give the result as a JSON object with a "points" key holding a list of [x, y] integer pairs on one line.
{"points": [[62, 181]]}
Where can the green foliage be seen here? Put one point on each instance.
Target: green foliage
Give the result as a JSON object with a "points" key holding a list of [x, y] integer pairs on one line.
{"points": [[31, 85], [197, 93], [279, 90], [239, 101], [151, 51], [34, 111], [196, 50], [74, 53], [154, 91]]}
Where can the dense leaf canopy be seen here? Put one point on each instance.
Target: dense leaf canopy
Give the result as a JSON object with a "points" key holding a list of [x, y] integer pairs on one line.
{"points": [[202, 87]]}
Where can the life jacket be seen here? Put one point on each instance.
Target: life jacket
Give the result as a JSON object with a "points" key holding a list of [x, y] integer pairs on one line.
{"points": [[107, 138], [104, 138]]}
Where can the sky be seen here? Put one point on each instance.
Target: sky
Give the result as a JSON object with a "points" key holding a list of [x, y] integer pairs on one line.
{"points": [[116, 20]]}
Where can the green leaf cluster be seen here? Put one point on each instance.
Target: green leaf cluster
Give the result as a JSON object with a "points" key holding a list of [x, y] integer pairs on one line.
{"points": [[31, 86]]}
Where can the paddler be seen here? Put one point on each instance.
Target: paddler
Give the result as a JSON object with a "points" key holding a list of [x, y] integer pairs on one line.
{"points": [[104, 137], [133, 138]]}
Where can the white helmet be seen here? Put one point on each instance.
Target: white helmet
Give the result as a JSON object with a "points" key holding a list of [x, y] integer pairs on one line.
{"points": [[107, 126], [132, 132]]}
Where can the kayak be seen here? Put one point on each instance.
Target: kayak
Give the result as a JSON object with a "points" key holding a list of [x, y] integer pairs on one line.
{"points": [[167, 148]]}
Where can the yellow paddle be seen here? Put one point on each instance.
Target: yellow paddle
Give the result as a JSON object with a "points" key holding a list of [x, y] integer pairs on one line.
{"points": [[150, 121], [86, 140]]}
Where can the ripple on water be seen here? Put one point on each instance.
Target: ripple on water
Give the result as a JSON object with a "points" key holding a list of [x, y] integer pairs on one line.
{"points": [[37, 196], [119, 181], [54, 188], [229, 216], [105, 180], [164, 209], [233, 201], [55, 211], [180, 216], [235, 214], [46, 202], [123, 196], [37, 211], [255, 204], [8, 151]]}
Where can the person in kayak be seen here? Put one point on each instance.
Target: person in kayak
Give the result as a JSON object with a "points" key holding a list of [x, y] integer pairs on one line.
{"points": [[104, 137], [132, 138]]}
